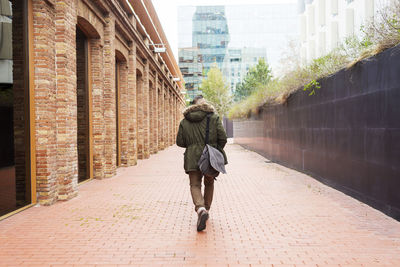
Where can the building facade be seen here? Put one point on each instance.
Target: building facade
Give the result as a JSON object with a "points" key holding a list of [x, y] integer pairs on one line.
{"points": [[191, 67], [88, 94], [238, 62], [210, 34], [326, 23]]}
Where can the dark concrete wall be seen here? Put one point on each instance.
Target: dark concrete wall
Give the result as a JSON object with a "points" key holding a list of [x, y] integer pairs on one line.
{"points": [[347, 135], [228, 126]]}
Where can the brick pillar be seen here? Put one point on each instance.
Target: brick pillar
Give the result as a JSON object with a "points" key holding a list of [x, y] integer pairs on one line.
{"points": [[124, 112], [165, 109], [132, 115], [140, 112], [178, 114], [96, 58], [175, 117], [146, 112], [171, 127], [156, 116], [167, 116], [160, 119], [45, 101], [172, 118], [163, 120], [152, 117], [66, 99], [109, 98]]}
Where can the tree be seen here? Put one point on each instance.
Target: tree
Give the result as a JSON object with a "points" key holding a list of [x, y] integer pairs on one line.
{"points": [[257, 76], [216, 91]]}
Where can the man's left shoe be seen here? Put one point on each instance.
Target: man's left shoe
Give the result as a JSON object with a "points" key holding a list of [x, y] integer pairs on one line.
{"points": [[202, 219]]}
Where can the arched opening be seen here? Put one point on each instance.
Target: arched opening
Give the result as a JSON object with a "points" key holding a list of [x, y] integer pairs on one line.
{"points": [[84, 114], [87, 28]]}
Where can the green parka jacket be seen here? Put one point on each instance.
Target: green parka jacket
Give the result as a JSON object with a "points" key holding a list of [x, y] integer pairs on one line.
{"points": [[192, 132]]}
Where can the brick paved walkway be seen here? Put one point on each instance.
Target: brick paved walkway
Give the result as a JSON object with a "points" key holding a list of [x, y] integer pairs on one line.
{"points": [[263, 215]]}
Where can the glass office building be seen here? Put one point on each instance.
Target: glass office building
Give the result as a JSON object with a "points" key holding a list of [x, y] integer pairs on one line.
{"points": [[191, 67], [238, 62], [210, 34]]}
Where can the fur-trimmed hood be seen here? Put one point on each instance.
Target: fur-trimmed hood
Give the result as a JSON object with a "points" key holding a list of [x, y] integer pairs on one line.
{"points": [[197, 112]]}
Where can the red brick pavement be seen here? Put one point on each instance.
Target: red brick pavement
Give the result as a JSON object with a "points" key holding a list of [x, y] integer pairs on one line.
{"points": [[263, 215]]}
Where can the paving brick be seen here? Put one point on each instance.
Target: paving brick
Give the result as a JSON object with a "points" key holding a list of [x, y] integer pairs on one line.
{"points": [[262, 215]]}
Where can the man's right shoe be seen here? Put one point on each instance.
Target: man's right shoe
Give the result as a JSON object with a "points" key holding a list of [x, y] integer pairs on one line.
{"points": [[202, 219]]}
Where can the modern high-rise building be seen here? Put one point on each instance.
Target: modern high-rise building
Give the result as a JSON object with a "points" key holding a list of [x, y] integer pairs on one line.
{"points": [[238, 62], [326, 23], [191, 68], [210, 34], [234, 35]]}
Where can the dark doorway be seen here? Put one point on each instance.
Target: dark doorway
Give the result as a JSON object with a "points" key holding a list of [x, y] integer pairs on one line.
{"points": [[139, 112], [118, 110], [15, 161], [82, 76]]}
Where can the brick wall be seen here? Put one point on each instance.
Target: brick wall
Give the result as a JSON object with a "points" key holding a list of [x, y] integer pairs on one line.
{"points": [[132, 107], [124, 112], [45, 98], [76, 108], [109, 97]]}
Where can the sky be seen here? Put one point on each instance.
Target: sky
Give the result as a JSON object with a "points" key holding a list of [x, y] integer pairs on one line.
{"points": [[167, 12]]}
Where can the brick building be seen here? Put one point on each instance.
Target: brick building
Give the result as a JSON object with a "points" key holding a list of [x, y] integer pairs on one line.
{"points": [[90, 94]]}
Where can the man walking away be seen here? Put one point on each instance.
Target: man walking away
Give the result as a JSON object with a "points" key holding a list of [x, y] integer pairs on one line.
{"points": [[191, 135]]}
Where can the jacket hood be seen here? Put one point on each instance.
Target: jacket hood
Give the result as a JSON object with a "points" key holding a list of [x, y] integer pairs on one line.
{"points": [[197, 112]]}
